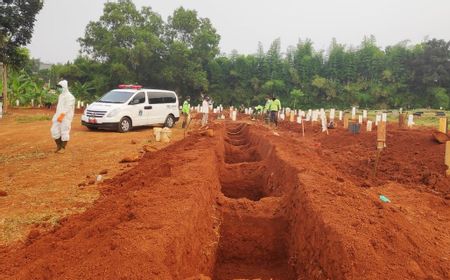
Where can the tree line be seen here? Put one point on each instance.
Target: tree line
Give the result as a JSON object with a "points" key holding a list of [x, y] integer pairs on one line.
{"points": [[130, 45]]}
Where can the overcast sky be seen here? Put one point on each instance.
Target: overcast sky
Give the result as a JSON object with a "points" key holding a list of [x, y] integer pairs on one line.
{"points": [[243, 23]]}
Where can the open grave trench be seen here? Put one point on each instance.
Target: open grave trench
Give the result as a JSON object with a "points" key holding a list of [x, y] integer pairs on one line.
{"points": [[254, 234]]}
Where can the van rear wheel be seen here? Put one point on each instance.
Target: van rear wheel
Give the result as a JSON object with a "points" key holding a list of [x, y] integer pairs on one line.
{"points": [[124, 125], [170, 121]]}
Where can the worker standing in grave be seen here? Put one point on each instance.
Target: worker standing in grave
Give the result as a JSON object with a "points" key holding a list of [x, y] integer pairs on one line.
{"points": [[186, 111], [267, 109], [274, 108]]}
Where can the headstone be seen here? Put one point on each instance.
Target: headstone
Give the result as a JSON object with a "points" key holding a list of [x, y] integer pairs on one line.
{"points": [[369, 126], [443, 125], [381, 135], [78, 104], [233, 115], [332, 114], [402, 120], [354, 127], [1, 110], [345, 121], [353, 113], [364, 115], [340, 115], [315, 115], [324, 123], [17, 103], [377, 119], [299, 119], [288, 112], [410, 120], [292, 116], [32, 103], [322, 114], [360, 119]]}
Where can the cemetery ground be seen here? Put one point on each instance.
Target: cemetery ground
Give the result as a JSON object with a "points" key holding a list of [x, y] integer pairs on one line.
{"points": [[241, 202], [42, 187]]}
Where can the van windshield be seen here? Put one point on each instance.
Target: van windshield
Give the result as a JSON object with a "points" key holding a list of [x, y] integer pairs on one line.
{"points": [[116, 96]]}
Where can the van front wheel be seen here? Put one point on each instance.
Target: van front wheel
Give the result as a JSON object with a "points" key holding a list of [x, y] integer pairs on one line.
{"points": [[170, 121], [124, 125]]}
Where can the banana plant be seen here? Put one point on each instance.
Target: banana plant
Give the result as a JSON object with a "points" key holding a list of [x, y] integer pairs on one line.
{"points": [[83, 91]]}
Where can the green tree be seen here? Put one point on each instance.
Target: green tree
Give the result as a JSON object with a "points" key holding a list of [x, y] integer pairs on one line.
{"points": [[296, 94], [441, 98], [16, 31]]}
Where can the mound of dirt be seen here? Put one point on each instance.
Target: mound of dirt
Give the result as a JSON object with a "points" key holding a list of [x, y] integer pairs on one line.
{"points": [[248, 204], [411, 157]]}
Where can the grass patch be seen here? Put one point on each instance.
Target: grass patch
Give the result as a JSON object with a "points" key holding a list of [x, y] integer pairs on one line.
{"points": [[428, 118], [23, 156], [33, 118]]}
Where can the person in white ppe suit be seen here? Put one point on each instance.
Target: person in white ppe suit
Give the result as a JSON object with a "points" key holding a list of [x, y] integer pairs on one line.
{"points": [[62, 120], [205, 110]]}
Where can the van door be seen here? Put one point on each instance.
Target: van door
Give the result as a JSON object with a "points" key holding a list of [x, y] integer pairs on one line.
{"points": [[156, 101], [137, 109], [171, 103]]}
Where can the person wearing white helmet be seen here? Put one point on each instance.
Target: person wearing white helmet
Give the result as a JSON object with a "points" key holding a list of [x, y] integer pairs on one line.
{"points": [[62, 120]]}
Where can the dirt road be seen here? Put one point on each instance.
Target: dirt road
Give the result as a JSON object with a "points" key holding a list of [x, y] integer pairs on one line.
{"points": [[42, 187], [251, 203]]}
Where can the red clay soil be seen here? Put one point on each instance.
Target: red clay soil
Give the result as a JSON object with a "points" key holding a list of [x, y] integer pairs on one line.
{"points": [[155, 221], [191, 209], [412, 157]]}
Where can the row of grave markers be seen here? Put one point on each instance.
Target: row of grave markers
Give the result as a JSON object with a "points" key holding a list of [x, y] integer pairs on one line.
{"points": [[79, 104]]}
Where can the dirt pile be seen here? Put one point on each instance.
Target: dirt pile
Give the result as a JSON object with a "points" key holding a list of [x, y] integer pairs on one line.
{"points": [[411, 157], [245, 203], [155, 221]]}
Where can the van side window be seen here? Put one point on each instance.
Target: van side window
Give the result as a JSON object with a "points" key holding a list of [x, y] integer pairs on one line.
{"points": [[161, 97], [170, 98], [138, 98], [155, 97]]}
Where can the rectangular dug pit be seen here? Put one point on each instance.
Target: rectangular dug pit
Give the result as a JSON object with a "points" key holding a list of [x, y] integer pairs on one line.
{"points": [[243, 180], [253, 248], [236, 154]]}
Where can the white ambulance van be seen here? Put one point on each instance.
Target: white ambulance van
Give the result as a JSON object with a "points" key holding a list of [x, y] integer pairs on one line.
{"points": [[130, 106]]}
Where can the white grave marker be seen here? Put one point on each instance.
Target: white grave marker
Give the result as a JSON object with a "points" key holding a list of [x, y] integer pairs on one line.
{"points": [[332, 114], [369, 126], [377, 119], [410, 120]]}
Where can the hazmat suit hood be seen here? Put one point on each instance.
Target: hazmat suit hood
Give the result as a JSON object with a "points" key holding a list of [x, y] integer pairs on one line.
{"points": [[64, 85]]}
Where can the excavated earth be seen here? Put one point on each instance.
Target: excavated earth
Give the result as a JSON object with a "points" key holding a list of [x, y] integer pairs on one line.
{"points": [[249, 203]]}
